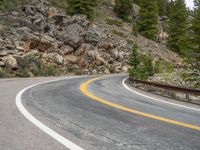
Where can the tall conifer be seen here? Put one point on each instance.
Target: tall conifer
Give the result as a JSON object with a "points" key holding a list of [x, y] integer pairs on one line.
{"points": [[178, 24], [193, 54], [123, 8], [147, 23], [85, 7]]}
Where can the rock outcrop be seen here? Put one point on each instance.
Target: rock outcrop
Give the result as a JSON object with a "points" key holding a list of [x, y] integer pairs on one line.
{"points": [[62, 40]]}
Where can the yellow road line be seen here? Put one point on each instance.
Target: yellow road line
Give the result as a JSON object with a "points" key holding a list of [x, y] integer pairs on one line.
{"points": [[84, 90]]}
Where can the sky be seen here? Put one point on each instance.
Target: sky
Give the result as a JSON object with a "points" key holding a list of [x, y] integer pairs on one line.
{"points": [[189, 3]]}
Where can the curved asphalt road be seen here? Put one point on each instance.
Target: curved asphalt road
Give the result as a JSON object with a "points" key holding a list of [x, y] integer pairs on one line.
{"points": [[92, 125]]}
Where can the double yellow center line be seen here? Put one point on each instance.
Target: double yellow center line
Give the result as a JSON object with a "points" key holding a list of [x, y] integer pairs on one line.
{"points": [[84, 90]]}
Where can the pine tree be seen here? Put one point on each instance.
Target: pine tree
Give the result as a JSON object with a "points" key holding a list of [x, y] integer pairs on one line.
{"points": [[123, 8], [178, 24], [193, 54], [141, 65], [147, 23], [85, 7], [137, 2], [134, 59], [162, 4]]}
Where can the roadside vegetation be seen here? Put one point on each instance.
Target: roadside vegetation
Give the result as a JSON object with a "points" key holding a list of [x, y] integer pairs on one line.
{"points": [[30, 66], [143, 66]]}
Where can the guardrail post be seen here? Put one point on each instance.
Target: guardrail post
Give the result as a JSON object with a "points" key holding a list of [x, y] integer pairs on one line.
{"points": [[187, 96]]}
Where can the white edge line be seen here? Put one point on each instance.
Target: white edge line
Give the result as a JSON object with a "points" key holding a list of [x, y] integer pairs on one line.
{"points": [[155, 99], [67, 143]]}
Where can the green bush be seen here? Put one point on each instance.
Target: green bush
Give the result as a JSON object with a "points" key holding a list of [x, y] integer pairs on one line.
{"points": [[32, 64], [141, 65], [2, 73], [52, 71], [162, 66], [22, 73]]}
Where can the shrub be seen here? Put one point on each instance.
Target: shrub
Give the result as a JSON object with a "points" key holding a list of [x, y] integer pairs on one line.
{"points": [[52, 71], [2, 73], [35, 65], [162, 66]]}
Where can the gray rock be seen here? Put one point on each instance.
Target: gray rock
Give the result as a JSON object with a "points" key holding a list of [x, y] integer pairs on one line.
{"points": [[3, 53], [77, 19], [58, 19], [30, 11], [11, 52], [92, 36], [66, 50], [47, 44], [38, 19], [56, 58], [10, 60], [70, 59], [2, 64], [73, 35], [94, 72], [32, 39], [84, 48]]}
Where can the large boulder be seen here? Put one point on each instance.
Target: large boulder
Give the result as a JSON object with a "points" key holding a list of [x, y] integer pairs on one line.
{"points": [[2, 64], [30, 41], [55, 57], [73, 35], [47, 44], [23, 46], [3, 53], [93, 35], [11, 61], [71, 59], [84, 48], [66, 50], [95, 57]]}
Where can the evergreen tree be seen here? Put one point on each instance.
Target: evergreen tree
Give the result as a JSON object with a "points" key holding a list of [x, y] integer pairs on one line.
{"points": [[141, 65], [137, 2], [193, 54], [178, 24], [148, 66], [85, 7], [123, 8], [147, 23], [162, 4], [134, 62], [134, 59]]}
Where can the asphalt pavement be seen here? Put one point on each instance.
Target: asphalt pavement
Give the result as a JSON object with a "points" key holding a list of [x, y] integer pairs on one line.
{"points": [[63, 107]]}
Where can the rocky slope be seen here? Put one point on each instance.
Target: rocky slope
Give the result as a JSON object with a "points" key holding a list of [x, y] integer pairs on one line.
{"points": [[45, 32]]}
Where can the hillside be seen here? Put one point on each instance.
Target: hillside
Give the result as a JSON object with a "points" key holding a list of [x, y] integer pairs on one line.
{"points": [[40, 39]]}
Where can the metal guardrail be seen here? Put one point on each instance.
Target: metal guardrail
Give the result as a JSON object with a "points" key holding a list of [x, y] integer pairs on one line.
{"points": [[187, 91]]}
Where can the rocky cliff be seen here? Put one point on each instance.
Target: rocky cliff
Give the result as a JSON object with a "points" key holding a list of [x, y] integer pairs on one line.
{"points": [[43, 31]]}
